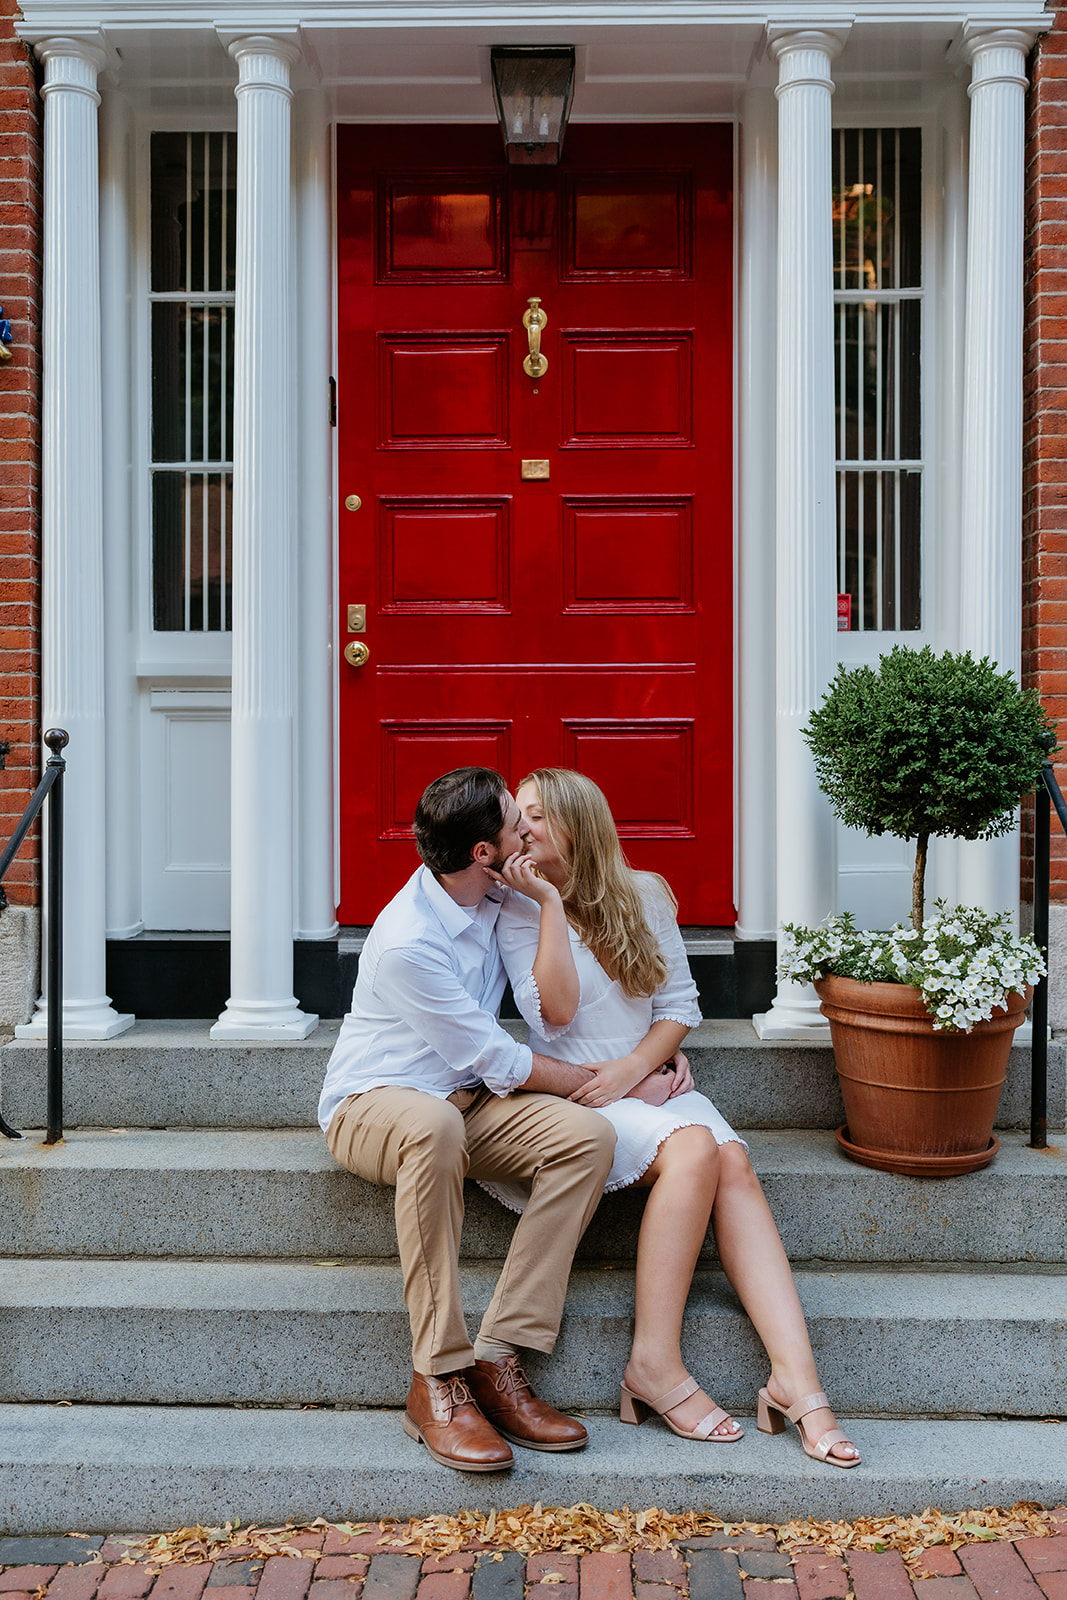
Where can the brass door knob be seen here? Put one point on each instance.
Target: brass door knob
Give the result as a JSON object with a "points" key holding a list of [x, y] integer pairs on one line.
{"points": [[356, 653], [533, 320]]}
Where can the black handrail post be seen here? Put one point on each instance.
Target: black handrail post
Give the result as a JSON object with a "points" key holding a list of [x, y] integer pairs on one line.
{"points": [[55, 739], [1039, 1011]]}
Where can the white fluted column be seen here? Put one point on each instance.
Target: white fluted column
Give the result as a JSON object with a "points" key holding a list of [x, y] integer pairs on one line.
{"points": [[991, 499], [944, 559], [316, 905], [72, 621], [262, 1004], [756, 910], [805, 518], [120, 684]]}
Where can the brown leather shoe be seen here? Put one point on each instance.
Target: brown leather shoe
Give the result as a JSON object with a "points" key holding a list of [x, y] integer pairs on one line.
{"points": [[503, 1394], [442, 1415]]}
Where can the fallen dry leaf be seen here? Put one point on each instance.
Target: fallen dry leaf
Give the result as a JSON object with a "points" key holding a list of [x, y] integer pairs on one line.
{"points": [[574, 1530]]}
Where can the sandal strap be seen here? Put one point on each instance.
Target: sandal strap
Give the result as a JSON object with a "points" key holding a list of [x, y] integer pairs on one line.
{"points": [[675, 1396], [714, 1419], [811, 1402], [824, 1445]]}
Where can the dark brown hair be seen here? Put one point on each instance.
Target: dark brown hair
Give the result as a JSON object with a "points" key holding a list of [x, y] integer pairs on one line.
{"points": [[456, 812]]}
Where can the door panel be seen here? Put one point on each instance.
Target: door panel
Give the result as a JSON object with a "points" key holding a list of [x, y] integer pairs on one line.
{"points": [[545, 562]]}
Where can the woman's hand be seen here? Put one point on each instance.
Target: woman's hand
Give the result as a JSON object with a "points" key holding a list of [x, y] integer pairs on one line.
{"points": [[519, 872], [682, 1076], [610, 1081]]}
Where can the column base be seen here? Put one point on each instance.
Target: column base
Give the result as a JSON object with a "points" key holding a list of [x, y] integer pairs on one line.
{"points": [[79, 1022], [281, 1022], [792, 1022]]}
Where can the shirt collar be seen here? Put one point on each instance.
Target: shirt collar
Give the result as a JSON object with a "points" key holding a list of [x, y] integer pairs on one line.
{"points": [[451, 916]]}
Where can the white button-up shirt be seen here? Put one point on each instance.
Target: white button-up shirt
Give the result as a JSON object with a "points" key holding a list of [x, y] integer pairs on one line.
{"points": [[424, 1008]]}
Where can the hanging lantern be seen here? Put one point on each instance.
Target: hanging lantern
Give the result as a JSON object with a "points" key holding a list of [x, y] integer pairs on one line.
{"points": [[533, 85]]}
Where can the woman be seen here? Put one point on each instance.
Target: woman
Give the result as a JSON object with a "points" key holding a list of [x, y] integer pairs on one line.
{"points": [[599, 970]]}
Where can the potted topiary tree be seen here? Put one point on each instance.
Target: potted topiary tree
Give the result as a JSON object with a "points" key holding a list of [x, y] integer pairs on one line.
{"points": [[922, 1017]]}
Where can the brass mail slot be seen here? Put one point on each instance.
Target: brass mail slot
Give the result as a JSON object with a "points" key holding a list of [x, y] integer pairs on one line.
{"points": [[535, 469]]}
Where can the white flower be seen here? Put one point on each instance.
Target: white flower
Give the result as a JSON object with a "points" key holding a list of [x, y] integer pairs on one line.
{"points": [[961, 986]]}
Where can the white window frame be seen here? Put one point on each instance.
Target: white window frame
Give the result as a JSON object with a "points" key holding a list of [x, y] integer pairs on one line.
{"points": [[160, 655], [880, 868], [858, 646]]}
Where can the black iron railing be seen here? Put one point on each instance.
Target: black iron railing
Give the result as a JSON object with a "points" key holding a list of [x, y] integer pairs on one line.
{"points": [[1048, 795], [50, 788]]}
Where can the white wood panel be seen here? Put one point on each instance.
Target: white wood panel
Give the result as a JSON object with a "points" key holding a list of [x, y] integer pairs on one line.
{"points": [[186, 809]]}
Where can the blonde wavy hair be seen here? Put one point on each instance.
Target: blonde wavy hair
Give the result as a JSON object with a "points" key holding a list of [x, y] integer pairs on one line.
{"points": [[602, 895]]}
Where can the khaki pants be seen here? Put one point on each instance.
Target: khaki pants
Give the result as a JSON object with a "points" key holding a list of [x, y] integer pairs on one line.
{"points": [[426, 1147]]}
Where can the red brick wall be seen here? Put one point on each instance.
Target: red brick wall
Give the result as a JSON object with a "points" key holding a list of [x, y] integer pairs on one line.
{"points": [[1045, 416], [20, 246]]}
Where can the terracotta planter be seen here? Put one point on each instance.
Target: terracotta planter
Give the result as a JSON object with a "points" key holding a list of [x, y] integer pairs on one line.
{"points": [[917, 1101]]}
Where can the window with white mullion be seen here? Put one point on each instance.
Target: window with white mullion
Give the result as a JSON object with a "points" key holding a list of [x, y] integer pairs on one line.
{"points": [[896, 524], [878, 294], [187, 508], [879, 251], [875, 297], [880, 553], [191, 299]]}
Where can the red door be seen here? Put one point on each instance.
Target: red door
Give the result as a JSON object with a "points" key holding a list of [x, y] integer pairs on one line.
{"points": [[545, 561]]}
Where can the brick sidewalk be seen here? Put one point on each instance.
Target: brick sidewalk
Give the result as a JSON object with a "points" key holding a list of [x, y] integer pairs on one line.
{"points": [[337, 1566]]}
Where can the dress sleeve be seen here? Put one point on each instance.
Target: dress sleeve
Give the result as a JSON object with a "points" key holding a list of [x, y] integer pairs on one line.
{"points": [[518, 930], [676, 999]]}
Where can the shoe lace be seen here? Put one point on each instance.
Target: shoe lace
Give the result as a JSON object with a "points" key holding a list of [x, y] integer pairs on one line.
{"points": [[456, 1392], [511, 1376]]}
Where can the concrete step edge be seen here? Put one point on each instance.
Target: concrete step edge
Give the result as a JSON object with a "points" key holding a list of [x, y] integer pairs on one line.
{"points": [[172, 1074], [96, 1468], [300, 1332], [279, 1194]]}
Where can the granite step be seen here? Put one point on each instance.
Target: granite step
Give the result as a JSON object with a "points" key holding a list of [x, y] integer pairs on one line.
{"points": [[278, 1194], [171, 1074], [101, 1467], [987, 1342]]}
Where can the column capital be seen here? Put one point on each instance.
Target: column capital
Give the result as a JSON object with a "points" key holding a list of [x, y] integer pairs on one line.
{"points": [[264, 60], [996, 52], [73, 62], [797, 49]]}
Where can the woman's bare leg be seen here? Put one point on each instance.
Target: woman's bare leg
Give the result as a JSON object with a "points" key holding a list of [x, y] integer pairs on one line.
{"points": [[682, 1181], [757, 1266]]}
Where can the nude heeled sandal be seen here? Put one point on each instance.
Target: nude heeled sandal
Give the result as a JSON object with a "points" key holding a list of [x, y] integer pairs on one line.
{"points": [[634, 1407], [772, 1418]]}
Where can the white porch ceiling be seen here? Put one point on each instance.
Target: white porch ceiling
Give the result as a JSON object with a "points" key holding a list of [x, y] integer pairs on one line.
{"points": [[420, 60]]}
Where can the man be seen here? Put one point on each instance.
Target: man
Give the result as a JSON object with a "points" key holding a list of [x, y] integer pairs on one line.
{"points": [[421, 1091]]}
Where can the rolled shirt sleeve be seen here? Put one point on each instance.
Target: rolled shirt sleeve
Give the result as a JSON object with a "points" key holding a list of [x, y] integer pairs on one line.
{"points": [[423, 988]]}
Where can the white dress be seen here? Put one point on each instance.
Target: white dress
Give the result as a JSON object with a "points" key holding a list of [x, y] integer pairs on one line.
{"points": [[608, 1024]]}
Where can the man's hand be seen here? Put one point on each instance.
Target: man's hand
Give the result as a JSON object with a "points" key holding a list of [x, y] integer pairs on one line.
{"points": [[611, 1080]]}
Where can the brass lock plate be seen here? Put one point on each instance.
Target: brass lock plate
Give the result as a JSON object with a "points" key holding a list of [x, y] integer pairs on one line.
{"points": [[535, 469], [357, 619]]}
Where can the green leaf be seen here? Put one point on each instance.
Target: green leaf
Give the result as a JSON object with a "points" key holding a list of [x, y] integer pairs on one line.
{"points": [[928, 744]]}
